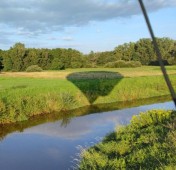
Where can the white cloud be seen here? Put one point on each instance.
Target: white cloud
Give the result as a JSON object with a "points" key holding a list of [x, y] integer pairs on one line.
{"points": [[32, 20], [47, 15], [80, 127]]}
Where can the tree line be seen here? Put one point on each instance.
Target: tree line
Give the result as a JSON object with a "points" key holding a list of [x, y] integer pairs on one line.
{"points": [[19, 58]]}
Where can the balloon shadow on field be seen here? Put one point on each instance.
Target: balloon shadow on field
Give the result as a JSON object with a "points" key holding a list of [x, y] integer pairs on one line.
{"points": [[94, 84]]}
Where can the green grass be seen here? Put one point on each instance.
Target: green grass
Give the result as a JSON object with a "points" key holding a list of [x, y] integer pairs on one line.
{"points": [[148, 142], [24, 97]]}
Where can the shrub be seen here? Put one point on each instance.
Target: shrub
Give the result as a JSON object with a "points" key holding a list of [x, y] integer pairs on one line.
{"points": [[34, 68], [123, 64], [116, 64], [133, 64]]}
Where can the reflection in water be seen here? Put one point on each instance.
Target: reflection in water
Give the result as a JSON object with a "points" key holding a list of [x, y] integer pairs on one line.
{"points": [[65, 117], [50, 145], [95, 83], [85, 125]]}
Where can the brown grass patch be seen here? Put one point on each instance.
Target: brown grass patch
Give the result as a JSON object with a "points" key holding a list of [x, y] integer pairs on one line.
{"points": [[100, 72]]}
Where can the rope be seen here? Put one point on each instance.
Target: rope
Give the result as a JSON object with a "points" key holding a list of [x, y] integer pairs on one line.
{"points": [[163, 69]]}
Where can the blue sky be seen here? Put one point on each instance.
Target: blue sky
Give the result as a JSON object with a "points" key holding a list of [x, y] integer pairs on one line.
{"points": [[85, 25]]}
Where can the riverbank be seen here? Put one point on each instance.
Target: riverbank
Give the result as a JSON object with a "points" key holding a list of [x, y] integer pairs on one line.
{"points": [[148, 142], [24, 97], [67, 116]]}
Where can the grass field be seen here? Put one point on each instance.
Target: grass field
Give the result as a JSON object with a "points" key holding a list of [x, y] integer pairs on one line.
{"points": [[23, 95]]}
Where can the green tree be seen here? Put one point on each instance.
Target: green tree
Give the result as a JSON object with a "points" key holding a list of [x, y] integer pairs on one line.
{"points": [[1, 60], [31, 57], [105, 57], [76, 59], [91, 59], [7, 61], [166, 46], [56, 60], [144, 51], [172, 59], [1, 65], [17, 55], [44, 58]]}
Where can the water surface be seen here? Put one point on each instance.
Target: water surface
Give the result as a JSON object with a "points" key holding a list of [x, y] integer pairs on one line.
{"points": [[52, 145]]}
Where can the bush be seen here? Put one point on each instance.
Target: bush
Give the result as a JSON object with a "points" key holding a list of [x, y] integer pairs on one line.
{"points": [[123, 64], [34, 68], [133, 64], [116, 64]]}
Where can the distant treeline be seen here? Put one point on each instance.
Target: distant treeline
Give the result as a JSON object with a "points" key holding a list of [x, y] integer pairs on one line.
{"points": [[19, 58]]}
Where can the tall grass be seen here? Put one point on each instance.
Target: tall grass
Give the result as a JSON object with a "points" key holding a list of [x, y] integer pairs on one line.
{"points": [[22, 98], [137, 88], [23, 107]]}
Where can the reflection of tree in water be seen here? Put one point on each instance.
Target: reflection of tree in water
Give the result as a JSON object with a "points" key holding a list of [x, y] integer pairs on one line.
{"points": [[66, 118], [95, 83]]}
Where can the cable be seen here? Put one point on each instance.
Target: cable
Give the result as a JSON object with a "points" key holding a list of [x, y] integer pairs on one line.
{"points": [[163, 69]]}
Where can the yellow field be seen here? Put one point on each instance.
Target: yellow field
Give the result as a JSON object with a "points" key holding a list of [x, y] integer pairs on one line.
{"points": [[120, 72]]}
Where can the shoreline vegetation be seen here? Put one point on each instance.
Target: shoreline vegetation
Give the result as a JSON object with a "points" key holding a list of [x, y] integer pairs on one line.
{"points": [[23, 97], [148, 142]]}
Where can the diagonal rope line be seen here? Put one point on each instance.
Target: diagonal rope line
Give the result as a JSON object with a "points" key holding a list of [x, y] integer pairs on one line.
{"points": [[163, 69]]}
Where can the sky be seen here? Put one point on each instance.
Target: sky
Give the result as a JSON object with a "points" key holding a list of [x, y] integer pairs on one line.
{"points": [[85, 25]]}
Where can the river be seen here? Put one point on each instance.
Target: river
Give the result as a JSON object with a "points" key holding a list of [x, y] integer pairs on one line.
{"points": [[53, 144]]}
